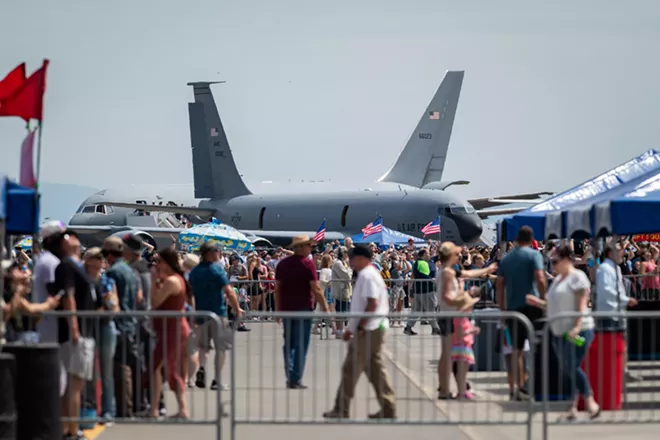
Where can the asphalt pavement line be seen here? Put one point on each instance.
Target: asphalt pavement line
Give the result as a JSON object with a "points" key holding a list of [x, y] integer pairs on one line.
{"points": [[93, 433], [430, 394]]}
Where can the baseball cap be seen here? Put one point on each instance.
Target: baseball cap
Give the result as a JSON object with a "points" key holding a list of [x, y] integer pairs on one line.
{"points": [[51, 228], [133, 243]]}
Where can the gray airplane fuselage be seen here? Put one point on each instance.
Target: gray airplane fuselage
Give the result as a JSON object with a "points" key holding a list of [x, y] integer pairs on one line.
{"points": [[345, 212], [349, 212]]}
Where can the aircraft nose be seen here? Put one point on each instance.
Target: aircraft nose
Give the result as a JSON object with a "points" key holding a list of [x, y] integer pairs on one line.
{"points": [[469, 227]]}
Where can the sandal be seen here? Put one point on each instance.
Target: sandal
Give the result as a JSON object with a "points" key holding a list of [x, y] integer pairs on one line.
{"points": [[178, 416], [568, 417]]}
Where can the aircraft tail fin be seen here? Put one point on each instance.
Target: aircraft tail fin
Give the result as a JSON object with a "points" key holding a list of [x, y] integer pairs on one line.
{"points": [[422, 160], [202, 174], [214, 168]]}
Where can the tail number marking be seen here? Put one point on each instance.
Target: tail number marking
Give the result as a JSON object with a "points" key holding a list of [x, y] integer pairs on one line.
{"points": [[425, 136]]}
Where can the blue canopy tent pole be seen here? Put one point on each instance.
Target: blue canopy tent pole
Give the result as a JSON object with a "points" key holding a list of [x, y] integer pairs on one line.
{"points": [[3, 251]]}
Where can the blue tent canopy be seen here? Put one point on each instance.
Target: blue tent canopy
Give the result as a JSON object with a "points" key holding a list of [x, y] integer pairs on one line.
{"points": [[601, 186], [386, 238], [21, 205], [578, 219], [636, 212]]}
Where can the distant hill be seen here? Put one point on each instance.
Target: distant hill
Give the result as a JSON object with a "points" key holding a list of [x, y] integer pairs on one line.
{"points": [[60, 200]]}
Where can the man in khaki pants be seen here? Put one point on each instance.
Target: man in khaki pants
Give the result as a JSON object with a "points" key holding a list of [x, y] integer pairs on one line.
{"points": [[366, 337]]}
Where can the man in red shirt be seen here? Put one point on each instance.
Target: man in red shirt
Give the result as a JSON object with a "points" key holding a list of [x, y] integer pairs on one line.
{"points": [[296, 288]]}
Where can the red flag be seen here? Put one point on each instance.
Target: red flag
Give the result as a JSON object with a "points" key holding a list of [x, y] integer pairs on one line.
{"points": [[12, 81], [27, 101], [27, 161]]}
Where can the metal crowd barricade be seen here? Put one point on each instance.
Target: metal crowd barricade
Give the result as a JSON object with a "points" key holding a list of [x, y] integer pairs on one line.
{"points": [[257, 296], [624, 389], [644, 287], [263, 396], [133, 364]]}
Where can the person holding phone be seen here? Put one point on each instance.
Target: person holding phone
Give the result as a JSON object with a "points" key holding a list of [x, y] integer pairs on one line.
{"points": [[76, 335]]}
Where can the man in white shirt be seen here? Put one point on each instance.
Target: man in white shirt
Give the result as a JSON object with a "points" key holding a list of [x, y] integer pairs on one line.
{"points": [[611, 294], [366, 338]]}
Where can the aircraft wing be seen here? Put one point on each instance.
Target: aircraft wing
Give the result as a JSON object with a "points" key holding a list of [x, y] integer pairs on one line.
{"points": [[155, 232], [282, 237], [488, 202], [485, 213], [288, 235], [186, 210]]}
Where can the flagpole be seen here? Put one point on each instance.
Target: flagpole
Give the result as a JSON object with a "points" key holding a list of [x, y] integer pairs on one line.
{"points": [[38, 174], [36, 248], [44, 66]]}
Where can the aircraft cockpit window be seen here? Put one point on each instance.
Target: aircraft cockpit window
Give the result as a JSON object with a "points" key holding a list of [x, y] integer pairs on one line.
{"points": [[89, 209], [461, 209], [100, 209]]}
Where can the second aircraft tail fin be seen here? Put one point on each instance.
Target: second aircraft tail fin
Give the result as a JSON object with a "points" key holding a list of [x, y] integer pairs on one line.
{"points": [[422, 160], [214, 169]]}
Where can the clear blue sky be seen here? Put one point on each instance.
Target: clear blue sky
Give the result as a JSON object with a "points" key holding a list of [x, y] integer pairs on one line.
{"points": [[317, 90]]}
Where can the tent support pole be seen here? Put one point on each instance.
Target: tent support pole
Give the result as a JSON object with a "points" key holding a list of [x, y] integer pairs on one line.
{"points": [[3, 254]]}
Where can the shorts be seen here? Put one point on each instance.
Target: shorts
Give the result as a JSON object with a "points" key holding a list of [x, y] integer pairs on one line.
{"points": [[518, 330], [78, 359], [397, 293], [328, 296], [446, 326], [208, 332], [342, 306], [526, 361]]}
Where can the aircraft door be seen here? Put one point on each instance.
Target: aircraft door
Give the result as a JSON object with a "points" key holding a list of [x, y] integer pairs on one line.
{"points": [[261, 217]]}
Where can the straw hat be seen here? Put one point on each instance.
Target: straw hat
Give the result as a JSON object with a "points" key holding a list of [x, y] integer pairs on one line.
{"points": [[302, 240], [190, 261], [465, 302]]}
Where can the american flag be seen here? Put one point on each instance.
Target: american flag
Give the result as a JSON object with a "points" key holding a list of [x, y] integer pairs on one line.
{"points": [[434, 115], [320, 234], [373, 228], [432, 228], [214, 131]]}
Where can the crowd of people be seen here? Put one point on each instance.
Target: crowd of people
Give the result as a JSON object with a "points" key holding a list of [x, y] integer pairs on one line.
{"points": [[135, 355]]}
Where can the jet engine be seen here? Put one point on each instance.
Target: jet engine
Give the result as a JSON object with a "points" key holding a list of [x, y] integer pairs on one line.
{"points": [[148, 238]]}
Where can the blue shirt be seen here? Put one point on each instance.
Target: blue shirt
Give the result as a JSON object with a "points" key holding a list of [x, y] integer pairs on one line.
{"points": [[610, 289], [518, 269], [106, 284], [208, 281], [128, 285]]}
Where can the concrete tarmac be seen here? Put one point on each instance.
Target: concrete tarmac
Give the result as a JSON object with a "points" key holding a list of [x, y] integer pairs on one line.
{"points": [[265, 408]]}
